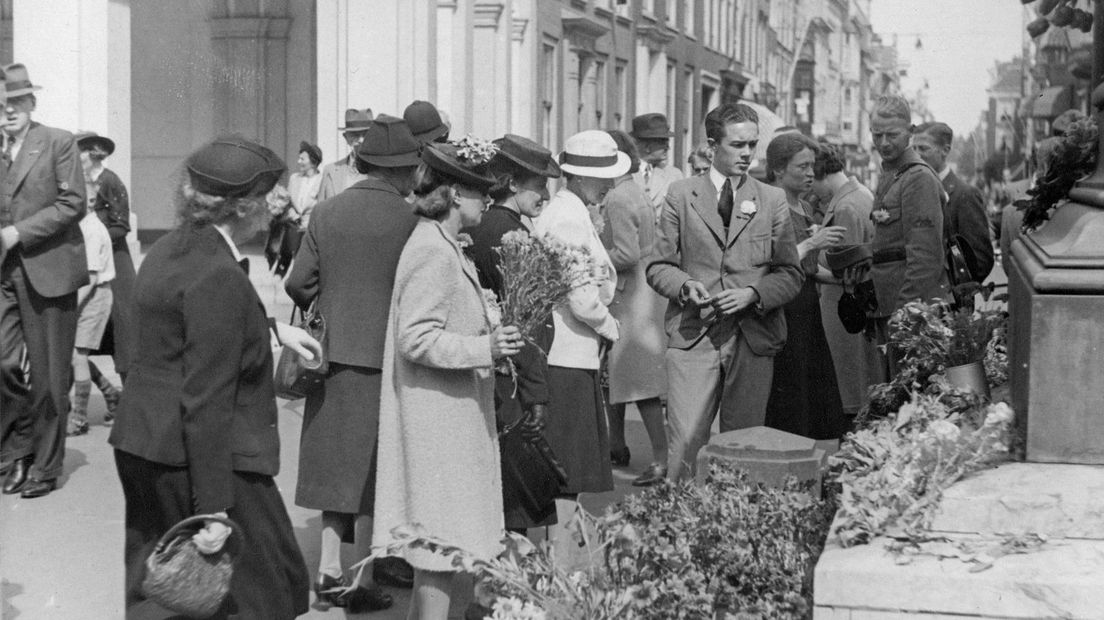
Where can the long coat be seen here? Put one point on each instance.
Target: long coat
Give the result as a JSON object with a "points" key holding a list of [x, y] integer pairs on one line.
{"points": [[636, 367], [112, 205], [965, 215], [438, 447]]}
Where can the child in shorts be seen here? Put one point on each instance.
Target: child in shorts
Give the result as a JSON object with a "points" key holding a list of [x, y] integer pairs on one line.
{"points": [[94, 308]]}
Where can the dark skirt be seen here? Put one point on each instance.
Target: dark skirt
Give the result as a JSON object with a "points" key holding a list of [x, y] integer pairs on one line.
{"points": [[337, 450], [270, 579], [805, 398], [121, 324], [517, 517], [577, 430]]}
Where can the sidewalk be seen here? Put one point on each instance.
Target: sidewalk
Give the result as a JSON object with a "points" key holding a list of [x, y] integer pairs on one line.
{"points": [[61, 556]]}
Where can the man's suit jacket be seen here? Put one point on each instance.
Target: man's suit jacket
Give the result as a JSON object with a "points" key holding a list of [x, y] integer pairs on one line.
{"points": [[44, 192], [200, 389], [338, 177], [965, 215], [347, 260], [759, 251]]}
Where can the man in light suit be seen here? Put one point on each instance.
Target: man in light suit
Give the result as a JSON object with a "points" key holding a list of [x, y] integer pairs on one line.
{"points": [[726, 258], [340, 175], [41, 203]]}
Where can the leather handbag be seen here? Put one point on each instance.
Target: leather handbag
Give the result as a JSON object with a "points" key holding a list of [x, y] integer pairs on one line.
{"points": [[284, 238], [182, 579], [295, 376], [530, 468]]}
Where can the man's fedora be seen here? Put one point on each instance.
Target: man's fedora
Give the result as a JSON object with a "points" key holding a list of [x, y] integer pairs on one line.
{"points": [[17, 81], [357, 120], [234, 167], [425, 122], [651, 126], [526, 154], [86, 140], [593, 153], [388, 143]]}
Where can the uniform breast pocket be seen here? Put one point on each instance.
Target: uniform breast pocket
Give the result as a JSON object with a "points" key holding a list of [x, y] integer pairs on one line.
{"points": [[759, 248]]}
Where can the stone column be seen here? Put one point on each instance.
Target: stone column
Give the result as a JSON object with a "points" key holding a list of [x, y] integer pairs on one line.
{"points": [[523, 92], [86, 82], [491, 71]]}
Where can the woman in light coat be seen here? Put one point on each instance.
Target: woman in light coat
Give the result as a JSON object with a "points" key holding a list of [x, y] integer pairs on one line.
{"points": [[438, 447]]}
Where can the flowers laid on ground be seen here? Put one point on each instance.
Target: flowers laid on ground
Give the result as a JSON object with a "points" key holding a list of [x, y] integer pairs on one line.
{"points": [[727, 549], [892, 474], [926, 339], [1072, 159], [538, 273]]}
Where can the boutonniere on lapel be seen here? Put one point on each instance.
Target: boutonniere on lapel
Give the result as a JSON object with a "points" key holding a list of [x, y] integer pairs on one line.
{"points": [[465, 242], [749, 208], [880, 216]]}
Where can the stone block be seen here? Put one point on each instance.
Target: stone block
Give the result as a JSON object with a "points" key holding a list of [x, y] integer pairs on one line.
{"points": [[1059, 501], [768, 455]]}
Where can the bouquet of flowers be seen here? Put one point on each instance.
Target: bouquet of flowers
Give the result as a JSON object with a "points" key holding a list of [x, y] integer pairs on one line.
{"points": [[538, 273]]}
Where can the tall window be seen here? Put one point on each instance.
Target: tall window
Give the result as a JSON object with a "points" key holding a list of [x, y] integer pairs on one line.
{"points": [[689, 23], [549, 69], [620, 95], [648, 6], [672, 73], [688, 91], [600, 93]]}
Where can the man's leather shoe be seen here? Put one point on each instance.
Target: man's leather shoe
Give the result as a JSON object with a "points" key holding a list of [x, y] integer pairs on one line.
{"points": [[328, 589], [362, 600], [17, 475], [655, 474], [392, 571], [38, 488]]}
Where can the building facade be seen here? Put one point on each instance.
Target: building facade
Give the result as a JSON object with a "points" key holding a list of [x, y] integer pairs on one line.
{"points": [[162, 77]]}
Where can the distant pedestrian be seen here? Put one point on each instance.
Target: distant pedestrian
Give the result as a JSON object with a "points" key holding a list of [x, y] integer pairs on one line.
{"points": [[94, 309], [196, 429], [44, 263], [804, 398], [305, 184], [699, 161], [636, 371], [342, 174], [653, 134]]}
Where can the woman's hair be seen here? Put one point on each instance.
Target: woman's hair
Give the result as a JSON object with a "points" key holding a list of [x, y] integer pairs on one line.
{"points": [[782, 149], [433, 191], [703, 151], [195, 208], [626, 145], [829, 160], [506, 172]]}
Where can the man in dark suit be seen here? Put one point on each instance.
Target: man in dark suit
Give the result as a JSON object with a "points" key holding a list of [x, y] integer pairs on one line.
{"points": [[347, 262], [41, 203], [964, 214], [726, 258]]}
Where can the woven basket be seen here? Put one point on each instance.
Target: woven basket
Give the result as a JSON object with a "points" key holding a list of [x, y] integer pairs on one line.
{"points": [[183, 580]]}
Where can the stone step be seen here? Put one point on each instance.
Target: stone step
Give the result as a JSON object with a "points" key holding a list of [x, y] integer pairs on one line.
{"points": [[1059, 501], [1062, 579]]}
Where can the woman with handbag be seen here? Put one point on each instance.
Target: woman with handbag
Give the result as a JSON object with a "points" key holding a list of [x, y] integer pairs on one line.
{"points": [[196, 427], [438, 451], [345, 269]]}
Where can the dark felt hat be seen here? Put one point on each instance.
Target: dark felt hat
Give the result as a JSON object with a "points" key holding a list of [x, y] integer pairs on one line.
{"points": [[527, 154], [312, 151], [443, 157], [17, 81], [234, 167], [425, 121], [389, 143], [88, 139], [357, 120], [841, 257], [652, 125]]}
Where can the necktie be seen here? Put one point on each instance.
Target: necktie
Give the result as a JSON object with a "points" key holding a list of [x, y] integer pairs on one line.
{"points": [[724, 205], [6, 157], [244, 264], [647, 173]]}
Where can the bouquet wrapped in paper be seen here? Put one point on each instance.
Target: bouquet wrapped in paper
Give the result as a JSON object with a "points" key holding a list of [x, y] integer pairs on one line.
{"points": [[538, 274]]}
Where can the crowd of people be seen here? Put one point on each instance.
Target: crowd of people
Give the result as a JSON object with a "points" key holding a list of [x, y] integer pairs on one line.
{"points": [[712, 294]]}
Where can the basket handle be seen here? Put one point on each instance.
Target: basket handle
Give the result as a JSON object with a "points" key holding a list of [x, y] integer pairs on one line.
{"points": [[234, 541]]}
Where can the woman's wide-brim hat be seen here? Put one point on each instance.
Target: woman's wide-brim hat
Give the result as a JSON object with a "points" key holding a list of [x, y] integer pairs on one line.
{"points": [[526, 154], [234, 167], [388, 143], [17, 81], [593, 153], [443, 157], [87, 140]]}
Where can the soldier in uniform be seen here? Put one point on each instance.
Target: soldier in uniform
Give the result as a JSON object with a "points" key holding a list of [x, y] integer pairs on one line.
{"points": [[908, 218]]}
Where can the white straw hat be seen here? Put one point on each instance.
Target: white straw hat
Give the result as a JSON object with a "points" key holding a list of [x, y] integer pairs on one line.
{"points": [[593, 153]]}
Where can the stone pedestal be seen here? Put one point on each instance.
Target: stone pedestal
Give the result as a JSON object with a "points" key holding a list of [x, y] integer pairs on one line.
{"points": [[768, 455], [1061, 579]]}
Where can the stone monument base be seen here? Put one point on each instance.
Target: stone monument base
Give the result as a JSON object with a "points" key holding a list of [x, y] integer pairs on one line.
{"points": [[1064, 578]]}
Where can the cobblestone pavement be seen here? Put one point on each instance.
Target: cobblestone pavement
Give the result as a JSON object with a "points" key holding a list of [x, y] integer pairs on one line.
{"points": [[61, 556]]}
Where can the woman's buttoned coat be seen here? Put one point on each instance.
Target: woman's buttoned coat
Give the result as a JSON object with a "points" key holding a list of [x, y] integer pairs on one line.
{"points": [[438, 447]]}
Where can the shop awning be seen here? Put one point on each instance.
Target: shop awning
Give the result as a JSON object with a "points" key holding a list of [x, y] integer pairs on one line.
{"points": [[1051, 102]]}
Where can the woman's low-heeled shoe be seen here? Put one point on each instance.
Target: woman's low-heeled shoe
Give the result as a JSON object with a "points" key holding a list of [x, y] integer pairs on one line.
{"points": [[363, 599], [620, 457]]}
